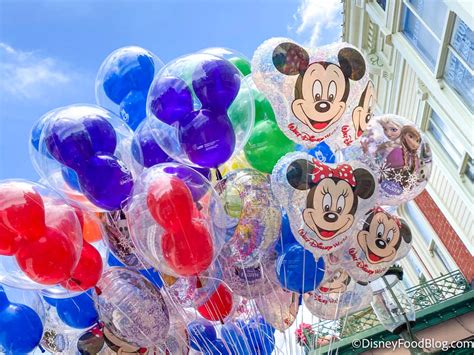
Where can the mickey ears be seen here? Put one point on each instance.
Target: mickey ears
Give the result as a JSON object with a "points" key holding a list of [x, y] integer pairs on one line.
{"points": [[290, 59], [352, 63], [298, 174]]}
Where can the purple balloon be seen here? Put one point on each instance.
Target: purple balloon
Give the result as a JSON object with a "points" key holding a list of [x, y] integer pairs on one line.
{"points": [[208, 138], [105, 181], [216, 83], [171, 99], [73, 141], [145, 150], [191, 178]]}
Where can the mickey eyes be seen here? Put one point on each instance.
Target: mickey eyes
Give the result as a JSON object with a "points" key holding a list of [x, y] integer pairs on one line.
{"points": [[327, 202], [332, 89], [380, 230], [341, 203], [317, 90]]}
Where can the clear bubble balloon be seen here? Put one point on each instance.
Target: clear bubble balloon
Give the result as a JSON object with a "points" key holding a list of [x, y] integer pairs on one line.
{"points": [[236, 58], [132, 307], [337, 296], [200, 109], [323, 201], [173, 230], [252, 215], [123, 81], [279, 308], [318, 94], [396, 150], [41, 239], [84, 154]]}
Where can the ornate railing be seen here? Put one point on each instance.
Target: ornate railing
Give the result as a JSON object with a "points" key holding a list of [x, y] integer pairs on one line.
{"points": [[424, 295]]}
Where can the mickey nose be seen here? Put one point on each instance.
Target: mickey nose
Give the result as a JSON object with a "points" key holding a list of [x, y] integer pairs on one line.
{"points": [[330, 217], [322, 106], [380, 243]]}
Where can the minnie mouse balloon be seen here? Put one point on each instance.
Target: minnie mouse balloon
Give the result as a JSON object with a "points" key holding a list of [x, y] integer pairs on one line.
{"points": [[323, 202], [131, 307], [395, 149], [279, 308], [317, 94], [338, 296], [380, 242]]}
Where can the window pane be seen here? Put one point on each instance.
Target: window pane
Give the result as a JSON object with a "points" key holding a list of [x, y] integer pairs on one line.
{"points": [[470, 170], [460, 79], [433, 13], [422, 40], [445, 137], [382, 3], [463, 42]]}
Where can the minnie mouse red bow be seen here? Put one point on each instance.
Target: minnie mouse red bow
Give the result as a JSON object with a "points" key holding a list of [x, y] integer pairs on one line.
{"points": [[343, 172]]}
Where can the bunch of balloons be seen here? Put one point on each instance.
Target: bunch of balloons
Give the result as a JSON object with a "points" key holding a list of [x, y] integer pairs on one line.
{"points": [[204, 204]]}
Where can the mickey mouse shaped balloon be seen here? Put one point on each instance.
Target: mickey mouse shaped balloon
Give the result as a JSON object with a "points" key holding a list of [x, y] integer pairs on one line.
{"points": [[324, 202], [381, 241], [317, 94]]}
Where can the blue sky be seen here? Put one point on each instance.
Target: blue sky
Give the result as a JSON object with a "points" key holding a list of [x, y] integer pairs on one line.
{"points": [[50, 50]]}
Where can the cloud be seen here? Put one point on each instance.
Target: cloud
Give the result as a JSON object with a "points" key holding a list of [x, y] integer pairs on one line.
{"points": [[321, 20], [30, 75]]}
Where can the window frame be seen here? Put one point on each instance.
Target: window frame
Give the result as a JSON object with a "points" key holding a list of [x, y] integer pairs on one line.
{"points": [[443, 50]]}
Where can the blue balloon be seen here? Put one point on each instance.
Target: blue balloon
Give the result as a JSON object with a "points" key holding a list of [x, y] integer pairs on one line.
{"points": [[298, 271], [133, 108], [260, 337], [105, 181], [21, 328], [234, 338], [322, 152], [201, 333], [172, 99], [71, 178], [287, 238], [145, 150], [73, 141], [113, 261], [216, 347], [79, 311], [153, 276], [131, 72], [216, 82]]}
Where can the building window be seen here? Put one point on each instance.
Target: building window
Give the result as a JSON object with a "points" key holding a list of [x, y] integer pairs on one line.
{"points": [[446, 138], [382, 4], [460, 63], [469, 172], [423, 22]]}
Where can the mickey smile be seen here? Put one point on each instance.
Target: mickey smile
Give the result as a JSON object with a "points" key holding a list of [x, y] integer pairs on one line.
{"points": [[319, 125]]}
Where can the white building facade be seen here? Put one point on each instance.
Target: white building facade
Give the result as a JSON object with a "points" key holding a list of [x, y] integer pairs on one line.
{"points": [[421, 60]]}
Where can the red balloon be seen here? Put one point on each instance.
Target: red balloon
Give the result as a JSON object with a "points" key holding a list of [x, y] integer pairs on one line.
{"points": [[21, 210], [188, 251], [170, 202], [9, 241], [87, 272], [218, 306], [48, 260], [63, 217]]}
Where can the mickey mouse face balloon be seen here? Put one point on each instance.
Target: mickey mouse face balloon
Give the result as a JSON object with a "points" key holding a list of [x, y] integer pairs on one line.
{"points": [[317, 94], [323, 201], [382, 240]]}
